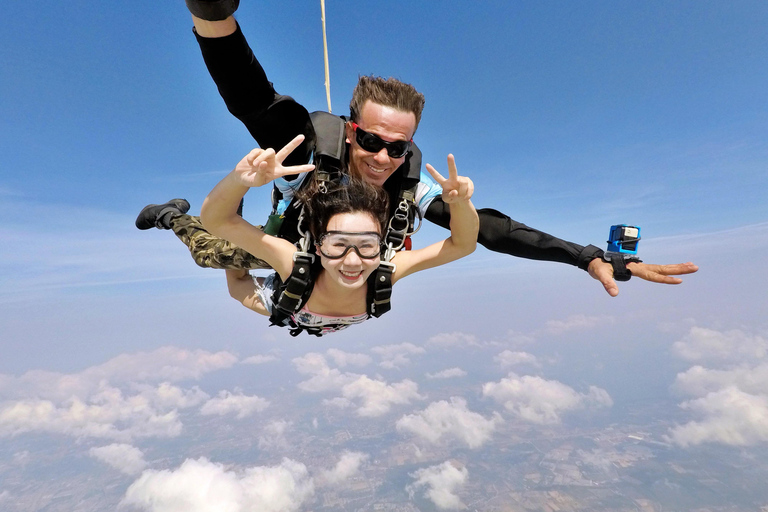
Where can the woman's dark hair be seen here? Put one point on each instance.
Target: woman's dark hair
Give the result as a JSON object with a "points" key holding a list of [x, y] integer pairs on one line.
{"points": [[354, 196]]}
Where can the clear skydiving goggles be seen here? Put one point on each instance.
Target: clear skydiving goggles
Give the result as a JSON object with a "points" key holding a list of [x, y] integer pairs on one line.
{"points": [[336, 244]]}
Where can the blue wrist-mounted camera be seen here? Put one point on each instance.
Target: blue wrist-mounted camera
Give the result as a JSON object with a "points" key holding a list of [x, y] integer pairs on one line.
{"points": [[622, 248]]}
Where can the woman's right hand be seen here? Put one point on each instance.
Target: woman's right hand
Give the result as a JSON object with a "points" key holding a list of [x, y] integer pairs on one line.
{"points": [[262, 166]]}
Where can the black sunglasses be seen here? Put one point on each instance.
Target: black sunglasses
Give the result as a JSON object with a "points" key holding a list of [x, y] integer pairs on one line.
{"points": [[373, 143]]}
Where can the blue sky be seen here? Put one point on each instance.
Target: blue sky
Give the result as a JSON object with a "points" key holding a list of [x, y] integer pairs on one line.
{"points": [[568, 116]]}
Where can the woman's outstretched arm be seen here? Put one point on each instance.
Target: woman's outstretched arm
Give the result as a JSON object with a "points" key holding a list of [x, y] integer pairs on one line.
{"points": [[219, 211], [464, 224]]}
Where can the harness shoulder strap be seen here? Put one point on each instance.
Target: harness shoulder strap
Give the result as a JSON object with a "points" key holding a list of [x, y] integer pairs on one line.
{"points": [[380, 289], [290, 296], [328, 155], [330, 145], [401, 226]]}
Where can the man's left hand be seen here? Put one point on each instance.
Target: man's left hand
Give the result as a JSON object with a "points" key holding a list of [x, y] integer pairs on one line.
{"points": [[603, 272]]}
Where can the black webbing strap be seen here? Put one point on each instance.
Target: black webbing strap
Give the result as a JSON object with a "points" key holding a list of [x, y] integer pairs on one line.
{"points": [[380, 289], [619, 263], [330, 146], [401, 225], [620, 270], [296, 289]]}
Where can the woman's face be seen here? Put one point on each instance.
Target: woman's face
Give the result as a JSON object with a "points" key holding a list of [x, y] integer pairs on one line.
{"points": [[350, 271]]}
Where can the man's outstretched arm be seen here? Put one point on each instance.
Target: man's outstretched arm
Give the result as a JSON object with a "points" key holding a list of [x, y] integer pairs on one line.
{"points": [[499, 233], [272, 119]]}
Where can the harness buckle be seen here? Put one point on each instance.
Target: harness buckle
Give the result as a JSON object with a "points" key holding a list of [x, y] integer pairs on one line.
{"points": [[388, 264], [389, 253], [399, 223], [303, 254]]}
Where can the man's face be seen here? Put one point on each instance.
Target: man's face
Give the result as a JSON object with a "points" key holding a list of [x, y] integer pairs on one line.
{"points": [[390, 125]]}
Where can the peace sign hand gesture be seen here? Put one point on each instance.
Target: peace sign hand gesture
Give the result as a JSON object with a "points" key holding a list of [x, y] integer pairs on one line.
{"points": [[262, 166], [456, 188]]}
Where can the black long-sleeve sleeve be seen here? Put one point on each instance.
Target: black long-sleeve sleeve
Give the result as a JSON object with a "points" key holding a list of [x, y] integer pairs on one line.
{"points": [[499, 233], [272, 119]]}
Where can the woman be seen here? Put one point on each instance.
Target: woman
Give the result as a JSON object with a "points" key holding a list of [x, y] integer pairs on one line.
{"points": [[347, 226]]}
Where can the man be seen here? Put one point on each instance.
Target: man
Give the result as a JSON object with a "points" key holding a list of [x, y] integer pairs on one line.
{"points": [[374, 138]]}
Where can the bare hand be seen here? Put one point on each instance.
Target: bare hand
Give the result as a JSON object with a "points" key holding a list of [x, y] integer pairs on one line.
{"points": [[456, 188], [603, 272], [262, 166]]}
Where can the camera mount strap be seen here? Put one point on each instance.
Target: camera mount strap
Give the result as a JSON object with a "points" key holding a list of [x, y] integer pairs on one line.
{"points": [[619, 263]]}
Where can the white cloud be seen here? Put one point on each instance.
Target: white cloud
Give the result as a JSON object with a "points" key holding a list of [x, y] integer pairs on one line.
{"points": [[698, 381], [259, 359], [21, 457], [576, 323], [518, 339], [730, 416], [396, 356], [442, 482], [105, 414], [166, 364], [343, 359], [377, 396], [708, 345], [272, 436], [163, 364], [452, 339], [347, 467], [167, 396], [732, 406], [443, 421], [339, 401], [508, 358], [310, 363], [448, 373], [371, 397], [332, 380], [239, 404], [324, 378], [542, 401], [123, 457], [203, 486]]}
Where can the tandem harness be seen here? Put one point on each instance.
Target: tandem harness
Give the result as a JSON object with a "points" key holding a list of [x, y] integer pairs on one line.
{"points": [[330, 167]]}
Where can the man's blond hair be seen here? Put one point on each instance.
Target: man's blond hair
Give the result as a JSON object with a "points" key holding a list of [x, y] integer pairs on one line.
{"points": [[389, 92]]}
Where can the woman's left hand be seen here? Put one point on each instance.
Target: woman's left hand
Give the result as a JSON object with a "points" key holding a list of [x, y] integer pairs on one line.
{"points": [[455, 188], [262, 166]]}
